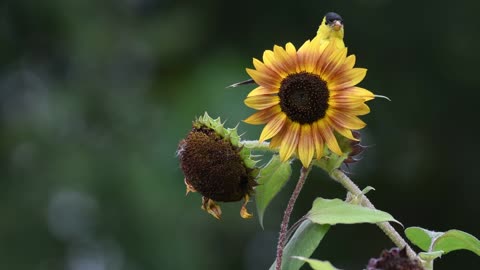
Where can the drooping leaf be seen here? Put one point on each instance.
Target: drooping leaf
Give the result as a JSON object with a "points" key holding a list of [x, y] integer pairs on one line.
{"points": [[325, 211], [316, 264], [443, 241], [303, 243], [270, 181], [455, 240]]}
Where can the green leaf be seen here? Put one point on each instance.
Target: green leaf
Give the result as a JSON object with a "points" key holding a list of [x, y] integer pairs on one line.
{"points": [[303, 243], [455, 240], [316, 264], [421, 237], [325, 211], [443, 241], [271, 180], [430, 256]]}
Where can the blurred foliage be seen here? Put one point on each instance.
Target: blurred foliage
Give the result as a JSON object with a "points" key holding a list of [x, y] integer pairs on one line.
{"points": [[96, 95]]}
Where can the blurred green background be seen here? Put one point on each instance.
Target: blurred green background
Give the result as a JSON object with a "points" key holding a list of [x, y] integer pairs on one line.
{"points": [[96, 95]]}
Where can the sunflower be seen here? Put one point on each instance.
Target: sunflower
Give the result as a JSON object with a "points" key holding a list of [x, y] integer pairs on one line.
{"points": [[305, 96]]}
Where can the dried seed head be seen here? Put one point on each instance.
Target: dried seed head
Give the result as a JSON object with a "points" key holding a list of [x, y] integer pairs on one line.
{"points": [[215, 165]]}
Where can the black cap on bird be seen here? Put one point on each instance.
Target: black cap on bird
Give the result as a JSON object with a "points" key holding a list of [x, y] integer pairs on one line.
{"points": [[334, 20]]}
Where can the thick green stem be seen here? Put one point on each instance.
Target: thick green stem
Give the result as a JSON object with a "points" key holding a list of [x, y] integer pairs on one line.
{"points": [[388, 229]]}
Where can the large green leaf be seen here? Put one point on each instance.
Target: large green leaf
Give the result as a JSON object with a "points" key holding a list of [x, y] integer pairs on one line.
{"points": [[270, 181], [455, 240], [325, 211], [316, 264], [303, 243], [443, 241]]}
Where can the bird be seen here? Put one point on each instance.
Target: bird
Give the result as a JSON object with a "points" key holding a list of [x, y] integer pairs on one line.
{"points": [[330, 30]]}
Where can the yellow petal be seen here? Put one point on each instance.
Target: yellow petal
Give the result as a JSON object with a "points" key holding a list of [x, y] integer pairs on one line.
{"points": [[349, 62], [290, 140], [362, 92], [303, 54], [268, 57], [263, 116], [329, 138], [262, 102], [273, 127], [275, 64], [335, 62], [268, 79], [360, 110], [348, 78], [345, 132], [293, 59], [306, 147], [276, 141], [326, 50], [309, 56], [262, 91], [352, 105], [317, 140], [282, 62], [262, 68], [345, 120]]}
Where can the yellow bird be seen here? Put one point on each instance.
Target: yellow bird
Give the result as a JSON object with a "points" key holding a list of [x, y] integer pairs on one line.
{"points": [[330, 30]]}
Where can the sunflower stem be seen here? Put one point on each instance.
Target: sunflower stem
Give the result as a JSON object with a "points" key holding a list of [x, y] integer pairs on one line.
{"points": [[256, 145], [286, 216], [388, 229]]}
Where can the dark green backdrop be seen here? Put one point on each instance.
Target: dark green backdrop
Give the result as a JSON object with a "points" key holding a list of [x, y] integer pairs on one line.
{"points": [[96, 95]]}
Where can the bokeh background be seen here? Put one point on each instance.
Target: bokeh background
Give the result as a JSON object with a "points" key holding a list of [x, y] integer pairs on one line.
{"points": [[96, 95]]}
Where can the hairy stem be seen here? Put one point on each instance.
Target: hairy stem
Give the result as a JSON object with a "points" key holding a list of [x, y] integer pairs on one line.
{"points": [[388, 229], [286, 216]]}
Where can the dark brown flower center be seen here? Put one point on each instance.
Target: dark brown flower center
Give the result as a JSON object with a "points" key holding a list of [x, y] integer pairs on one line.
{"points": [[304, 97]]}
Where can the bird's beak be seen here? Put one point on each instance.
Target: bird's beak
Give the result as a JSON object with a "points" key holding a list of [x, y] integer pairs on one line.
{"points": [[337, 25]]}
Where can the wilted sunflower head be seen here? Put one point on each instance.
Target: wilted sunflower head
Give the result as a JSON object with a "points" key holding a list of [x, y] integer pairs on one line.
{"points": [[305, 96], [216, 166]]}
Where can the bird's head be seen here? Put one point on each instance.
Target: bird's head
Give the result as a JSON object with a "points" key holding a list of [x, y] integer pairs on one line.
{"points": [[334, 21], [331, 27]]}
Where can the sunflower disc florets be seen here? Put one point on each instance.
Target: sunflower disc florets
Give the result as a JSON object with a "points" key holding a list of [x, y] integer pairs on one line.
{"points": [[216, 165]]}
